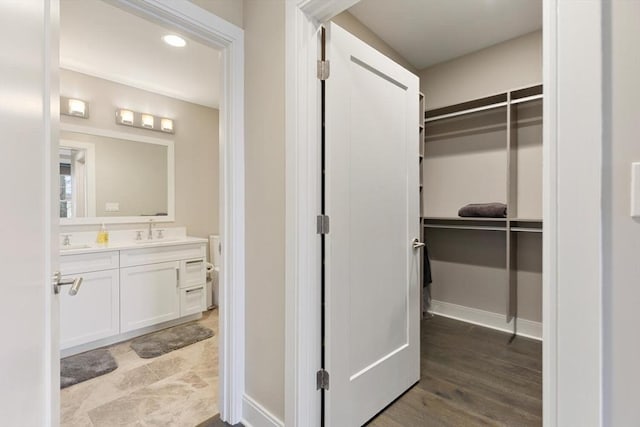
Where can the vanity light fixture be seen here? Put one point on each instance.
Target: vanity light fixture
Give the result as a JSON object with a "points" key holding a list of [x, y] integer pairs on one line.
{"points": [[74, 107], [166, 125], [125, 117], [144, 121], [147, 121]]}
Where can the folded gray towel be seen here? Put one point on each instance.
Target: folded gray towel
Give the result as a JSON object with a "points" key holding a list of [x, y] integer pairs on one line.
{"points": [[484, 210]]}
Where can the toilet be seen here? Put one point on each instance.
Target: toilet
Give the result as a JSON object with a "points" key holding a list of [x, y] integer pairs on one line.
{"points": [[213, 272]]}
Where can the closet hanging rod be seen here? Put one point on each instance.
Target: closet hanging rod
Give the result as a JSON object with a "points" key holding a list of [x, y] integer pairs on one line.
{"points": [[525, 219], [527, 229], [464, 112], [465, 227], [526, 99]]}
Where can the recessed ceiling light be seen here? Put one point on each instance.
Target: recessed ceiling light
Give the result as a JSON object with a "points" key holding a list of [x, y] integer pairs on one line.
{"points": [[175, 41]]}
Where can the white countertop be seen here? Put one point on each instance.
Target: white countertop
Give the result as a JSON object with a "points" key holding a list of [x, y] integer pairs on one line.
{"points": [[82, 243]]}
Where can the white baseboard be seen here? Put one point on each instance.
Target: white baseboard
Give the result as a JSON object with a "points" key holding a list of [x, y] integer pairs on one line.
{"points": [[526, 328], [255, 415]]}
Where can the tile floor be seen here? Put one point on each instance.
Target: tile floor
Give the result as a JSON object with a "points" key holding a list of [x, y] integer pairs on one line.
{"points": [[177, 389]]}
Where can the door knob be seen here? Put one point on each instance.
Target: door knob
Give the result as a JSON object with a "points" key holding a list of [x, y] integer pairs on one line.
{"points": [[417, 244], [57, 282]]}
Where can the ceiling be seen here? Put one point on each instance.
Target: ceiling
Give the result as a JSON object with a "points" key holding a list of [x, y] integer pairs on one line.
{"points": [[103, 41], [427, 32]]}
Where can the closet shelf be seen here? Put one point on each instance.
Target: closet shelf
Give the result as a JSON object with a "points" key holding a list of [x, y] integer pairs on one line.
{"points": [[465, 112], [459, 218], [505, 99], [526, 220], [459, 223], [465, 227]]}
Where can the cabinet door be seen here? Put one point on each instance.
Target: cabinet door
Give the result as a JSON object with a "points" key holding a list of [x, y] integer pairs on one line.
{"points": [[92, 313], [150, 294]]}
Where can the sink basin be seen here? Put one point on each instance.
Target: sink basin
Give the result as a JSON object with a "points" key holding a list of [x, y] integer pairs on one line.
{"points": [[72, 247]]}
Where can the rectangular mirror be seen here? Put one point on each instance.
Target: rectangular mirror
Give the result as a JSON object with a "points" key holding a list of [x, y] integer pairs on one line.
{"points": [[114, 177]]}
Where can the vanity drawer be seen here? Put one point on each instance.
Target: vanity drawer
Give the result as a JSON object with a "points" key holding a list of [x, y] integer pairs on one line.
{"points": [[193, 272], [133, 257], [86, 263], [192, 300]]}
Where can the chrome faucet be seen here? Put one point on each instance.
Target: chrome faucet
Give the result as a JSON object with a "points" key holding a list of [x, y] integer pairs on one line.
{"points": [[150, 233]]}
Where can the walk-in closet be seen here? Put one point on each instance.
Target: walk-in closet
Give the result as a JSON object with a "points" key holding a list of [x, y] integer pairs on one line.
{"points": [[485, 269], [480, 155]]}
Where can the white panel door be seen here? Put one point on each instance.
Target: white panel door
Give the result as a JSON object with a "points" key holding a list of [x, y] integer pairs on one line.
{"points": [[371, 196], [29, 364], [149, 294], [94, 312]]}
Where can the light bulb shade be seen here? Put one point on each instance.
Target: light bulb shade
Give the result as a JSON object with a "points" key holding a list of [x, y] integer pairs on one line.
{"points": [[77, 107], [147, 121], [74, 107], [166, 125], [126, 117]]}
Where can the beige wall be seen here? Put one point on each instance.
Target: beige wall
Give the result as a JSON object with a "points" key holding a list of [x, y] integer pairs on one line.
{"points": [[229, 10], [621, 233], [196, 143], [265, 203], [358, 29], [508, 65]]}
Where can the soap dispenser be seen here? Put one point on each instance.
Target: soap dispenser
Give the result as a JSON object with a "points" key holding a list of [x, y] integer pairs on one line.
{"points": [[103, 236]]}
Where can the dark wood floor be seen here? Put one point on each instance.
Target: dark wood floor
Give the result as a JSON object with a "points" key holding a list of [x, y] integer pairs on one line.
{"points": [[470, 376], [216, 422]]}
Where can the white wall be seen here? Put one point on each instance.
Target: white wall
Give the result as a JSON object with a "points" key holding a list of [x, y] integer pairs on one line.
{"points": [[621, 233], [265, 204], [196, 143], [358, 29], [512, 64]]}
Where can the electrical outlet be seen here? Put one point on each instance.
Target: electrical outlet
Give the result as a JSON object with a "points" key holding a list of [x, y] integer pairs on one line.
{"points": [[112, 207]]}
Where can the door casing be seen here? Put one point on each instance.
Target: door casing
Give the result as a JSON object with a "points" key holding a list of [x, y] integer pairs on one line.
{"points": [[214, 31], [565, 391], [211, 30]]}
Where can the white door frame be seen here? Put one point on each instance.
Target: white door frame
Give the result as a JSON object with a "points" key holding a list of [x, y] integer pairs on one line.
{"points": [[208, 28], [572, 171]]}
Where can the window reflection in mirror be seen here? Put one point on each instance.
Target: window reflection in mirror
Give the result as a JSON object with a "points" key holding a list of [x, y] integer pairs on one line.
{"points": [[73, 197]]}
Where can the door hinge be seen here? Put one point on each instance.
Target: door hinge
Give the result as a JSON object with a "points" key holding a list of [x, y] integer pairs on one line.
{"points": [[322, 380], [322, 224], [323, 69]]}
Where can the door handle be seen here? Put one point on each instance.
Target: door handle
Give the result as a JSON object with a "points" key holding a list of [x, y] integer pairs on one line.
{"points": [[417, 244], [75, 284], [177, 277]]}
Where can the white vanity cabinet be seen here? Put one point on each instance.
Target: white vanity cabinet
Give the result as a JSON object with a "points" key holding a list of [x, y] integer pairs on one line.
{"points": [[93, 313], [161, 284], [130, 291]]}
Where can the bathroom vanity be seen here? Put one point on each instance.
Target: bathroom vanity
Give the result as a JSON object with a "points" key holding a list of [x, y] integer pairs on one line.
{"points": [[130, 288], [147, 277]]}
